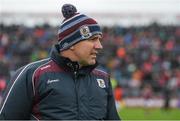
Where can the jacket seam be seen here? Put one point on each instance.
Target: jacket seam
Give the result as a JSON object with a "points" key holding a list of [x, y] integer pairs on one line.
{"points": [[35, 117], [15, 82], [33, 83], [101, 71]]}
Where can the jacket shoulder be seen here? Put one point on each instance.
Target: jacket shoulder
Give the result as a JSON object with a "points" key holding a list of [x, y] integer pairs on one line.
{"points": [[100, 73], [34, 65], [29, 68]]}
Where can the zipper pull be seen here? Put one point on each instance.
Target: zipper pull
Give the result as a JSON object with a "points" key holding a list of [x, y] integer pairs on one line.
{"points": [[75, 74]]}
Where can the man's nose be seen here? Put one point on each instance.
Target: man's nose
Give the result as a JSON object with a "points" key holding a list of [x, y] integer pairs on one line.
{"points": [[98, 45]]}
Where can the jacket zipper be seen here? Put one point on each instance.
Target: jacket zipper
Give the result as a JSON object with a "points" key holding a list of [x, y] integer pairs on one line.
{"points": [[76, 91]]}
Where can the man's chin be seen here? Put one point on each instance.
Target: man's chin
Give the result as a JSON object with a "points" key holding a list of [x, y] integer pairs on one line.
{"points": [[92, 62]]}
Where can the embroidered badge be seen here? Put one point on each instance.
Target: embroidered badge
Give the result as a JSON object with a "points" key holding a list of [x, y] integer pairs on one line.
{"points": [[101, 83], [85, 32]]}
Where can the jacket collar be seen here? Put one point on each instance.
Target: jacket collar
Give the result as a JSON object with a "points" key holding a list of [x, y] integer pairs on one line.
{"points": [[69, 65]]}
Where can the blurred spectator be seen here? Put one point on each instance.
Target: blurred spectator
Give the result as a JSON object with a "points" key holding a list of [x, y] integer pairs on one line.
{"points": [[166, 96], [147, 95]]}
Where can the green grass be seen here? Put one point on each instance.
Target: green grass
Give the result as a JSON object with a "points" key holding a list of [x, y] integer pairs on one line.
{"points": [[150, 114]]}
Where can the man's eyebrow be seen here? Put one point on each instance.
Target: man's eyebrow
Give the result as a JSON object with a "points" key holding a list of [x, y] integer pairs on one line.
{"points": [[96, 36]]}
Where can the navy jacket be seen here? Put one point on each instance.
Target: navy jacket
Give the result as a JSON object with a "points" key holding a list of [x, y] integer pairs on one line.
{"points": [[55, 88]]}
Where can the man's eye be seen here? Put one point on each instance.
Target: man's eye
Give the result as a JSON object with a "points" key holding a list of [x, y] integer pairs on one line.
{"points": [[95, 38], [92, 39]]}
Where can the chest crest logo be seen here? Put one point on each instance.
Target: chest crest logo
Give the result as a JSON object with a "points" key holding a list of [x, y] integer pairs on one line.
{"points": [[101, 83]]}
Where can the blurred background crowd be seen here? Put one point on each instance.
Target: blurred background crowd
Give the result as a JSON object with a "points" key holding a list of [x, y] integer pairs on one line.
{"points": [[140, 59]]}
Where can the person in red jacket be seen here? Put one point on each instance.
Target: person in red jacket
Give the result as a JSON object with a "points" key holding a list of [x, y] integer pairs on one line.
{"points": [[118, 95]]}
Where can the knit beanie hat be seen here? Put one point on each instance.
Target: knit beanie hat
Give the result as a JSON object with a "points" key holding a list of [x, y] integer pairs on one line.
{"points": [[75, 27]]}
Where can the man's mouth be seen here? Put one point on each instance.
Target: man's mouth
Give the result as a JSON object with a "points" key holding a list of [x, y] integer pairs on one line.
{"points": [[93, 55]]}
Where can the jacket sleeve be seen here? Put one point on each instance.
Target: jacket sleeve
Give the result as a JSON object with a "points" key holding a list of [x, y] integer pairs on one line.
{"points": [[17, 99], [111, 108]]}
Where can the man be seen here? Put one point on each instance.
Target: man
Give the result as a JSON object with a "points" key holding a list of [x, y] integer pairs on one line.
{"points": [[65, 86]]}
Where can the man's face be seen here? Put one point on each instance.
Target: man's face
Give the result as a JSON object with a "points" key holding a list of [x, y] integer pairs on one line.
{"points": [[86, 51]]}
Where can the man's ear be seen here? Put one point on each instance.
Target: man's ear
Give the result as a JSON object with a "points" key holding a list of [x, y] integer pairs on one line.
{"points": [[72, 48]]}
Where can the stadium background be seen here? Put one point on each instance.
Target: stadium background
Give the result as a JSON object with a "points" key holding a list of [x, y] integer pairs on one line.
{"points": [[141, 47]]}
